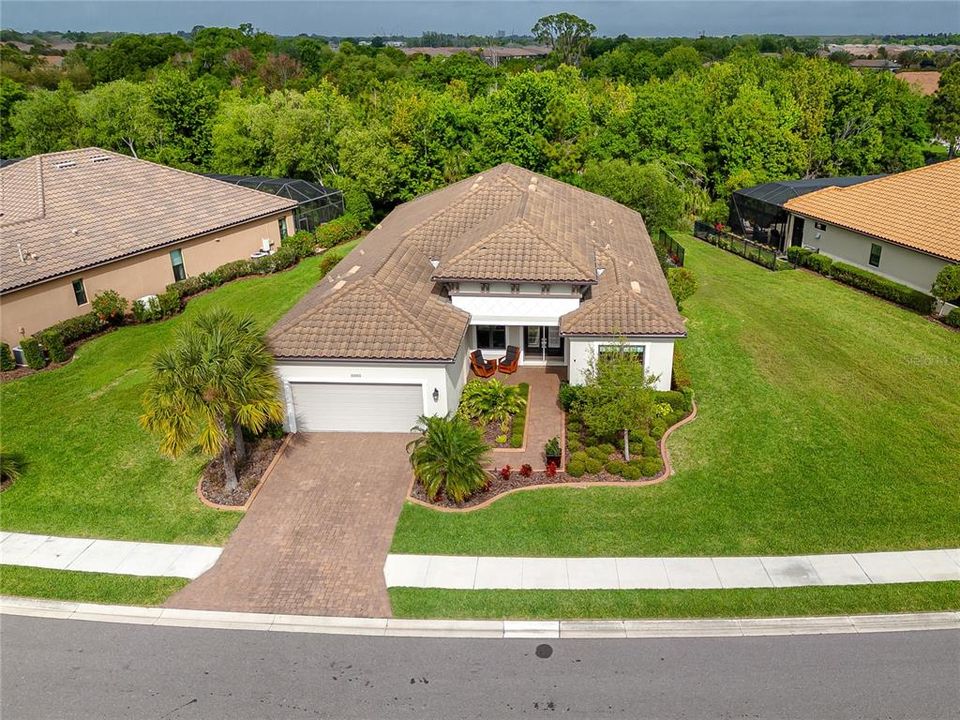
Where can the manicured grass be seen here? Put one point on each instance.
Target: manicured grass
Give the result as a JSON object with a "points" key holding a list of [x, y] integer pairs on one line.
{"points": [[827, 422], [87, 587], [93, 471], [597, 604]]}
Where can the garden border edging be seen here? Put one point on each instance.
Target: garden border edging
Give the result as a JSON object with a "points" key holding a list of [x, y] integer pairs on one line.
{"points": [[579, 484], [260, 483]]}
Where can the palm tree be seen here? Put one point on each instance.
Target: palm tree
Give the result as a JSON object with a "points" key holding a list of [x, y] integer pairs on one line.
{"points": [[448, 457], [215, 380]]}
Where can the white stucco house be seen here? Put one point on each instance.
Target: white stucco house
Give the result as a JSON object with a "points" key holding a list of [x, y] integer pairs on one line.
{"points": [[905, 227], [504, 258]]}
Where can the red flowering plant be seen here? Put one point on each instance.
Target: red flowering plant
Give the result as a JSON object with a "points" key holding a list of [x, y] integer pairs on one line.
{"points": [[525, 470], [505, 472], [551, 469]]}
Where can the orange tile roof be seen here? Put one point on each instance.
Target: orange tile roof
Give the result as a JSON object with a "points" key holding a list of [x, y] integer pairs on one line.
{"points": [[918, 209], [62, 212]]}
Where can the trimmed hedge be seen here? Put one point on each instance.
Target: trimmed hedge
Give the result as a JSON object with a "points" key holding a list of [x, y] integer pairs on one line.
{"points": [[77, 328], [338, 231], [881, 287], [819, 263], [7, 361], [952, 318], [681, 376], [33, 353], [52, 342], [676, 399]]}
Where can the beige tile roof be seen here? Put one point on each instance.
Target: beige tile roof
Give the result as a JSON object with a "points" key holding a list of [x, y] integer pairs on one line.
{"points": [[919, 209], [384, 301], [70, 210]]}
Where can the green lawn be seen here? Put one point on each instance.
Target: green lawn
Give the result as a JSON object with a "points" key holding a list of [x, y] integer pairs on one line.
{"points": [[597, 604], [87, 587], [827, 422], [93, 472]]}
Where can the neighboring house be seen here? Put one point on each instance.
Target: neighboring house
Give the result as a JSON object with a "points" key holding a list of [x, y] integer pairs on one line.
{"points": [[506, 257], [758, 212], [875, 64], [76, 223], [905, 227]]}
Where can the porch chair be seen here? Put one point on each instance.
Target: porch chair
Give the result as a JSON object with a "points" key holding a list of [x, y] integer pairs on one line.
{"points": [[510, 361], [482, 368]]}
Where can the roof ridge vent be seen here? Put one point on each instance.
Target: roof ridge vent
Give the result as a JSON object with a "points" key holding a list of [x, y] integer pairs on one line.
{"points": [[64, 164], [99, 158]]}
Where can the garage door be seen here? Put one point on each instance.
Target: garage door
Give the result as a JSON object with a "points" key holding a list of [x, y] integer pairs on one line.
{"points": [[347, 407]]}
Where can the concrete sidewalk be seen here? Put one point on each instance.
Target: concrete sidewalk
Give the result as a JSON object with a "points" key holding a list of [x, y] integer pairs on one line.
{"points": [[107, 556], [521, 573]]}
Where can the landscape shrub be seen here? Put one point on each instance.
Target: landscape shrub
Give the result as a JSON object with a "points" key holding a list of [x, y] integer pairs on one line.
{"points": [[574, 443], [597, 453], [607, 449], [505, 471], [676, 399], [576, 468], [52, 342], [110, 307], [551, 469], [329, 261], [593, 466], [168, 302], [881, 287], [650, 467], [952, 318], [78, 328], [193, 285], [285, 257], [658, 428], [356, 202], [649, 447], [33, 353], [687, 393], [631, 472], [231, 271], [798, 254], [337, 231], [146, 309], [7, 361], [819, 263], [574, 426], [570, 396], [615, 467], [302, 243], [525, 470], [947, 285], [579, 456], [682, 283], [681, 376]]}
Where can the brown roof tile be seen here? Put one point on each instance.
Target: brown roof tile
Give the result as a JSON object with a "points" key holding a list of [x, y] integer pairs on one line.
{"points": [[70, 210], [384, 301], [919, 209]]}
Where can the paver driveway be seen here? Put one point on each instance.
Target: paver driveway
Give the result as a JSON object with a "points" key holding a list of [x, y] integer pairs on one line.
{"points": [[315, 539]]}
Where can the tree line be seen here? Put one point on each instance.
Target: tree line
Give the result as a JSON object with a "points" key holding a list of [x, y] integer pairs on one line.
{"points": [[658, 128]]}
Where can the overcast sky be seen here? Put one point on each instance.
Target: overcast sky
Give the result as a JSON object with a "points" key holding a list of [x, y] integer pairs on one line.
{"points": [[405, 17]]}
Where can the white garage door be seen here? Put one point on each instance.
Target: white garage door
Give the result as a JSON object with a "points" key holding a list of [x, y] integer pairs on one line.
{"points": [[348, 407]]}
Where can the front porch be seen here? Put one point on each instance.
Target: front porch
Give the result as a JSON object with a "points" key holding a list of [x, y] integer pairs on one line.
{"points": [[544, 416]]}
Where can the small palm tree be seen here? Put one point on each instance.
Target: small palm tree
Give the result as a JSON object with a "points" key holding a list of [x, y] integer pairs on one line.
{"points": [[12, 465], [448, 457], [215, 380]]}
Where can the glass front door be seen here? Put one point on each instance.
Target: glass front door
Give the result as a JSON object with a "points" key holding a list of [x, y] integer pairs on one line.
{"points": [[542, 341]]}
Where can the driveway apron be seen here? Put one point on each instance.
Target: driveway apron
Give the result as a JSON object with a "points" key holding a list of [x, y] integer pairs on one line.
{"points": [[315, 539]]}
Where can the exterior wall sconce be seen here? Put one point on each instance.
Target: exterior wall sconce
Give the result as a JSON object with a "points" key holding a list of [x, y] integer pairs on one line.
{"points": [[436, 395]]}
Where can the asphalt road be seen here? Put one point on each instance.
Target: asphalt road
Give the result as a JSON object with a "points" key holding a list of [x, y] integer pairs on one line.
{"points": [[75, 669]]}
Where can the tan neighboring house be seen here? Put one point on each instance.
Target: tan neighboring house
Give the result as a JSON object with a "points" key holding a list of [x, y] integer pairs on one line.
{"points": [[504, 258], [76, 223], [905, 227]]}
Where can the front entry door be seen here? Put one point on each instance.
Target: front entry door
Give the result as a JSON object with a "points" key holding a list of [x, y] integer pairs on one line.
{"points": [[542, 341], [797, 237]]}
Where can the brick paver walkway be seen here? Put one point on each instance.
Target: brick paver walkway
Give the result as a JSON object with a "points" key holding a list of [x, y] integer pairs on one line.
{"points": [[544, 415], [316, 537]]}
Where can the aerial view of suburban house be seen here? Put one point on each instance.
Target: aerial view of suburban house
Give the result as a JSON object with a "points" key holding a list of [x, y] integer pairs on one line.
{"points": [[80, 222], [508, 262], [905, 226]]}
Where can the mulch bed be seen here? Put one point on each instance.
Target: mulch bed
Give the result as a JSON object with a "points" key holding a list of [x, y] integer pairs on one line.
{"points": [[492, 431], [498, 486], [259, 455]]}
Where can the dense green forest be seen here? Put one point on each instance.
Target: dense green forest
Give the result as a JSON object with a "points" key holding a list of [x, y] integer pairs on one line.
{"points": [[666, 126]]}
